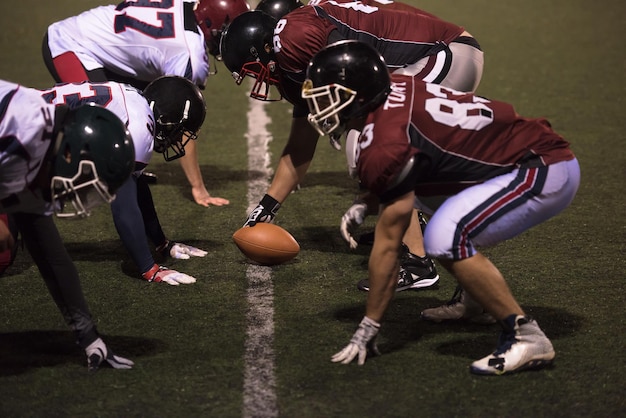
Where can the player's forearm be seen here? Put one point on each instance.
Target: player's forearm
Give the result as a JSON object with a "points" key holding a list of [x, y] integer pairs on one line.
{"points": [[286, 179], [383, 266], [295, 160], [190, 166], [383, 273]]}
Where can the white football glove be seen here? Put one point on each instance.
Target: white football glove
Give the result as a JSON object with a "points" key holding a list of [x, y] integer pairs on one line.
{"points": [[163, 274], [98, 354], [363, 340], [183, 252], [351, 220]]}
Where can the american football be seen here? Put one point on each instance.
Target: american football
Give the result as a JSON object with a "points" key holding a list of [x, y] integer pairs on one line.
{"points": [[266, 243]]}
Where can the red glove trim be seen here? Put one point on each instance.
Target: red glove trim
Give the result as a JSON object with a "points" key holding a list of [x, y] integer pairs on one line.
{"points": [[151, 275]]}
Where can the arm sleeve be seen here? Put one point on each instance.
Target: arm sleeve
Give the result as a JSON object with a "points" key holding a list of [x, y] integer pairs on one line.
{"points": [[129, 224], [43, 241], [148, 212]]}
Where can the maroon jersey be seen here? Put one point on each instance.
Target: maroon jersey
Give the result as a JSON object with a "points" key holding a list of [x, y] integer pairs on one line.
{"points": [[384, 4], [456, 138], [401, 35]]}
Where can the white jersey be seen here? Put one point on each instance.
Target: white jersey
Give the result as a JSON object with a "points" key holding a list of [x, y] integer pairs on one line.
{"points": [[126, 102], [26, 126], [141, 39]]}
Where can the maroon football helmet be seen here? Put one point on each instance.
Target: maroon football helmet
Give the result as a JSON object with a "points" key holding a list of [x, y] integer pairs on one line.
{"points": [[213, 16]]}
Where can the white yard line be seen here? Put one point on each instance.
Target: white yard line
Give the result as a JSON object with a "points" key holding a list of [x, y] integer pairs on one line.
{"points": [[259, 396]]}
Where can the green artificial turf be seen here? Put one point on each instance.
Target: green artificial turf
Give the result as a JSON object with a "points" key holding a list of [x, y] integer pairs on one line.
{"points": [[564, 60]]}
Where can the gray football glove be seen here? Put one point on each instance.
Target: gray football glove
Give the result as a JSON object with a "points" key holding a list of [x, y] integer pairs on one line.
{"points": [[335, 141], [351, 220], [98, 354], [362, 342]]}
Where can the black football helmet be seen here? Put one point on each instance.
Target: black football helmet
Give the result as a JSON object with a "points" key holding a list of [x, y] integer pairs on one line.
{"points": [[213, 16], [246, 50], [278, 8], [179, 111], [92, 157], [345, 80]]}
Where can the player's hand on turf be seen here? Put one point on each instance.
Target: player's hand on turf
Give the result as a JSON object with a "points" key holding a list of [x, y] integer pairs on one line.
{"points": [[351, 220], [202, 197], [98, 354], [362, 342], [173, 277], [179, 250], [163, 274], [182, 251], [264, 212]]}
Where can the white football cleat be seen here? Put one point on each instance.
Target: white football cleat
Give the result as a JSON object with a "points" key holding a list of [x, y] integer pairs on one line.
{"points": [[522, 345]]}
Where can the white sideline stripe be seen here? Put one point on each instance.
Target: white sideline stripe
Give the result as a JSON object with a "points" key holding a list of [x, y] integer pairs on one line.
{"points": [[259, 396]]}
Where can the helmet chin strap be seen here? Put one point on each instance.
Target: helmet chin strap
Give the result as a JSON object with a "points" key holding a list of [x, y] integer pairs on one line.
{"points": [[334, 137], [46, 170], [56, 145], [60, 114]]}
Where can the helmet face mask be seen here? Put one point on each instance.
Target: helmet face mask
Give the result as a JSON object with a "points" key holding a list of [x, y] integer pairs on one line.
{"points": [[83, 192], [93, 156], [179, 111], [325, 106], [264, 79], [344, 80]]}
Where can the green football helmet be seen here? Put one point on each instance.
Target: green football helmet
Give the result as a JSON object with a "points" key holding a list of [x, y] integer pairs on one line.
{"points": [[92, 157]]}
